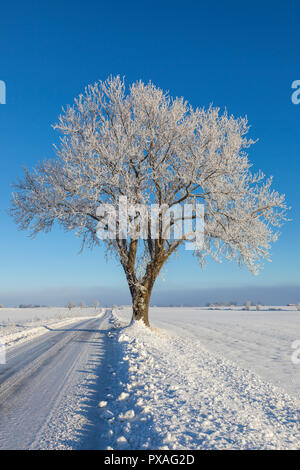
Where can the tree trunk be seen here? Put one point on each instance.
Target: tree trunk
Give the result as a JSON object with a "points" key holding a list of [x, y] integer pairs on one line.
{"points": [[140, 304], [141, 291]]}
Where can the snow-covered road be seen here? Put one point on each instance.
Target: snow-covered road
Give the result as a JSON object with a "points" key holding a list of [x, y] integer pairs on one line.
{"points": [[48, 388]]}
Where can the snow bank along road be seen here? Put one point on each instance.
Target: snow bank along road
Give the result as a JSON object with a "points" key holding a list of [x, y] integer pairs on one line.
{"points": [[49, 388], [172, 392]]}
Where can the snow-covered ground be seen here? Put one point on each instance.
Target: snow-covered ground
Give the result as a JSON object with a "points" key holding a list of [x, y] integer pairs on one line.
{"points": [[257, 340], [21, 324], [204, 379], [199, 379]]}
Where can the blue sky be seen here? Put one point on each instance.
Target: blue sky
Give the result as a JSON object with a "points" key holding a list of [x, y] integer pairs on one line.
{"points": [[242, 56]]}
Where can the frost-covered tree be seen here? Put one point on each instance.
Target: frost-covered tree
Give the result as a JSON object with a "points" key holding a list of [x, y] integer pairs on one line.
{"points": [[143, 144], [70, 305], [96, 304]]}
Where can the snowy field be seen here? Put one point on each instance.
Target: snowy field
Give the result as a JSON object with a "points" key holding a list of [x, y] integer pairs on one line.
{"points": [[257, 340], [205, 379], [21, 324]]}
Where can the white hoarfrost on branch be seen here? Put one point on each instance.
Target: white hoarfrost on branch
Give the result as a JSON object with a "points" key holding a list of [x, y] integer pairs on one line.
{"points": [[152, 149]]}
